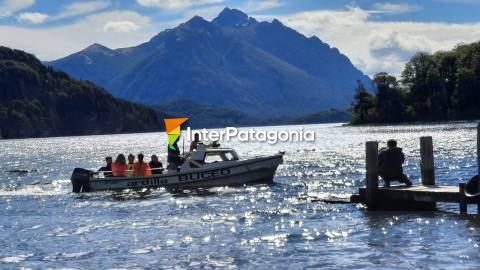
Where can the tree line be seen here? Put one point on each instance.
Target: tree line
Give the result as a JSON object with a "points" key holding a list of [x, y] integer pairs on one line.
{"points": [[433, 87]]}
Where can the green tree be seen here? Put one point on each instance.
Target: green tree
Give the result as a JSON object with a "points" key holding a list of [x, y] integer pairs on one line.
{"points": [[388, 101], [363, 106], [466, 96], [447, 68], [414, 77]]}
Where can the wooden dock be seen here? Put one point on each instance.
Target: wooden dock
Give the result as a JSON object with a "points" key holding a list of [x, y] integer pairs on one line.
{"points": [[416, 198]]}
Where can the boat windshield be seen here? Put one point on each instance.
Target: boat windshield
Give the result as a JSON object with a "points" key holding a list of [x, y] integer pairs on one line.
{"points": [[214, 156]]}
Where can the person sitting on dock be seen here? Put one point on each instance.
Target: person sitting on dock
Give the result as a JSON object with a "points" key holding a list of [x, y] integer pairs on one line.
{"points": [[131, 161], [120, 167], [155, 165], [141, 168], [390, 163], [108, 168]]}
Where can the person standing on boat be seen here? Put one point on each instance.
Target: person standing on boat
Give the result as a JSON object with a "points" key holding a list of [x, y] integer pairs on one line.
{"points": [[120, 167], [155, 165], [174, 159], [141, 168], [195, 142], [390, 164], [131, 161], [108, 168]]}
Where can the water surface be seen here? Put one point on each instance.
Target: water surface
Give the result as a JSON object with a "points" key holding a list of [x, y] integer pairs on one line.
{"points": [[43, 225]]}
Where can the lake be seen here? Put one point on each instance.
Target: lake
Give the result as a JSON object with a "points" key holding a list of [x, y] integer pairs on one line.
{"points": [[43, 225]]}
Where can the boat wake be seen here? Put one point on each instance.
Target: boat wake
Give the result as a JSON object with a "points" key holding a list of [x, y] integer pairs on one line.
{"points": [[39, 188]]}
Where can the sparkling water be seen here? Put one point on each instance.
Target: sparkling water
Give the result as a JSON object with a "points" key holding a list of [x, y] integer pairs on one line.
{"points": [[280, 226]]}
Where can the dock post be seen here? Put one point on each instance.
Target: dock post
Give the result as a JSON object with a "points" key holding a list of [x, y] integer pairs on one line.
{"points": [[478, 161], [463, 204], [372, 172], [427, 165], [478, 150]]}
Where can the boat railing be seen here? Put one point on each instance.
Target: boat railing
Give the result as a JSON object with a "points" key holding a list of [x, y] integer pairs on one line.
{"points": [[101, 174]]}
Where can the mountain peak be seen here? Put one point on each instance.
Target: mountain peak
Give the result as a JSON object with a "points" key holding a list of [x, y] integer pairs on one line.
{"points": [[277, 22], [231, 17], [197, 22], [253, 67], [96, 47]]}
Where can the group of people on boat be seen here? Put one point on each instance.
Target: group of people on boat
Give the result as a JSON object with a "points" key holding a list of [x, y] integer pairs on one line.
{"points": [[125, 167], [122, 167]]}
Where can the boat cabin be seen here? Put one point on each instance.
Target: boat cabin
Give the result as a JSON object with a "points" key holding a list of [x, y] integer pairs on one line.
{"points": [[205, 156]]}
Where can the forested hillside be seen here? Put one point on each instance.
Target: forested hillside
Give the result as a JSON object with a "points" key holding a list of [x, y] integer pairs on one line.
{"points": [[433, 87], [36, 101]]}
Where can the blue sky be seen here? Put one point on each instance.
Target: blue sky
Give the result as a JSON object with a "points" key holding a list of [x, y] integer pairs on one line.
{"points": [[375, 35]]}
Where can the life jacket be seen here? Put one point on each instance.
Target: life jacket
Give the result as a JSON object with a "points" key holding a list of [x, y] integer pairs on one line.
{"points": [[119, 169], [141, 169]]}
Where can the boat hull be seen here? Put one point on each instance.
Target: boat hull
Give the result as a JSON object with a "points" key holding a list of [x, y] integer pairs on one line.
{"points": [[258, 170]]}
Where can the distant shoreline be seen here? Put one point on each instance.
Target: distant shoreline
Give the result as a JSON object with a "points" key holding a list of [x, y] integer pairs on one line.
{"points": [[414, 123], [341, 124], [193, 128]]}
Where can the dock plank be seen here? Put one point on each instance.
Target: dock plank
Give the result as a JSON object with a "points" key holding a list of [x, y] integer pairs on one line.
{"points": [[445, 189], [422, 194]]}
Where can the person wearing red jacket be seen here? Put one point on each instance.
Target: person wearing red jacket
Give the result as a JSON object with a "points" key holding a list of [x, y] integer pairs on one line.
{"points": [[120, 167]]}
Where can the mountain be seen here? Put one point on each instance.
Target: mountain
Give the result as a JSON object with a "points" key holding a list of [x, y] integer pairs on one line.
{"points": [[209, 116], [36, 101], [233, 61]]}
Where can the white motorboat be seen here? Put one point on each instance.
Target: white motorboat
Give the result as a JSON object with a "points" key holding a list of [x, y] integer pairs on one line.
{"points": [[205, 167]]}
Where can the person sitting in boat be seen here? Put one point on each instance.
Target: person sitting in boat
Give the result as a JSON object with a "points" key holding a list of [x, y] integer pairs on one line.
{"points": [[197, 159], [155, 165], [195, 142], [120, 167], [108, 168], [390, 163], [131, 161], [141, 168]]}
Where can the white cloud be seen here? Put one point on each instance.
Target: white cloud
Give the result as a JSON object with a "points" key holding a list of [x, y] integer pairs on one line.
{"points": [[394, 40], [175, 4], [81, 8], [396, 8], [375, 46], [9, 7], [32, 17], [120, 27], [260, 5], [55, 42], [71, 10]]}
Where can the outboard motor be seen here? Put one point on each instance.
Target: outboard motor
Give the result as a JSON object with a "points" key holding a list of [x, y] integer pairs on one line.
{"points": [[80, 179]]}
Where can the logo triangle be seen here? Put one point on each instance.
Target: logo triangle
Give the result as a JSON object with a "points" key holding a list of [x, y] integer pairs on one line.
{"points": [[172, 123]]}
